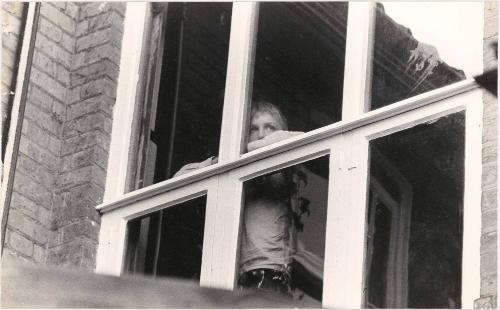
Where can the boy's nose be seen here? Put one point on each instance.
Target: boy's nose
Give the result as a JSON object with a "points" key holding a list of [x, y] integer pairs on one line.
{"points": [[262, 133]]}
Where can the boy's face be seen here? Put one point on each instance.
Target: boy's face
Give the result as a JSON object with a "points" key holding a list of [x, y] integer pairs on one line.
{"points": [[263, 124]]}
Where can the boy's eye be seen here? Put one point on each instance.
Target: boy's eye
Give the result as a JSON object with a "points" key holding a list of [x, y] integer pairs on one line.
{"points": [[270, 127]]}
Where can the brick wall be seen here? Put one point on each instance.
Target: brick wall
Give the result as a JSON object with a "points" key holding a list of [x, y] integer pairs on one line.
{"points": [[63, 150], [489, 180], [86, 134], [11, 17]]}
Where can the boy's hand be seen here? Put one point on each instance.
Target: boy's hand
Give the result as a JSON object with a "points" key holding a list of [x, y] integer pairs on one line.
{"points": [[272, 138]]}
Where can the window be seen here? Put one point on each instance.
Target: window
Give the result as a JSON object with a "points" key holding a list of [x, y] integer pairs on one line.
{"points": [[373, 170], [299, 61], [283, 228], [415, 216], [184, 89], [168, 242]]}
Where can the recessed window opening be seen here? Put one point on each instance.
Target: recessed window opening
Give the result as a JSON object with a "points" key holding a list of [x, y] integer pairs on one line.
{"points": [[167, 243], [299, 61], [183, 124]]}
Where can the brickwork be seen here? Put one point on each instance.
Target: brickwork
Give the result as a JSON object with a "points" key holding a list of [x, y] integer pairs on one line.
{"points": [[11, 17], [63, 150], [489, 181], [85, 136]]}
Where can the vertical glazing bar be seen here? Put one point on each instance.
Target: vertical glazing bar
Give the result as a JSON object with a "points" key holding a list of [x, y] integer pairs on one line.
{"points": [[358, 61], [238, 79], [345, 228], [123, 113], [225, 244], [111, 248]]}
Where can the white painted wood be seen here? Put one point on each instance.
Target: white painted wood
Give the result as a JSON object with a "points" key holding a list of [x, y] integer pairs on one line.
{"points": [[111, 248], [346, 220], [8, 166], [375, 117], [358, 59], [209, 255], [418, 116], [112, 237], [226, 236], [238, 79], [123, 111], [471, 257]]}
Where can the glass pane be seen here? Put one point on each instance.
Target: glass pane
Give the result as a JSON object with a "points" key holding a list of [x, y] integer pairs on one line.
{"points": [[168, 242], [182, 120], [299, 64], [419, 47], [282, 239], [415, 217]]}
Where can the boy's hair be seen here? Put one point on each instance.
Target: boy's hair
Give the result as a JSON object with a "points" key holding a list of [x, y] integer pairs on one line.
{"points": [[273, 110]]}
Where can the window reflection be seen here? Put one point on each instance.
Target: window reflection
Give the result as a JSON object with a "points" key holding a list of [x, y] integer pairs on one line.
{"points": [[404, 65], [282, 238], [415, 217]]}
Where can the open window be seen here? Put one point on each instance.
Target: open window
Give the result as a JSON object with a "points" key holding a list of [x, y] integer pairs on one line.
{"points": [[385, 218], [299, 61], [183, 95]]}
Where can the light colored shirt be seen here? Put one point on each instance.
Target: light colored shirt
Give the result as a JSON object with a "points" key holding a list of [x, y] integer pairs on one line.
{"points": [[266, 241]]}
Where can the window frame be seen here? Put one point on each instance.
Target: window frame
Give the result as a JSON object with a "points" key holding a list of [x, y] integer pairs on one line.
{"points": [[347, 143]]}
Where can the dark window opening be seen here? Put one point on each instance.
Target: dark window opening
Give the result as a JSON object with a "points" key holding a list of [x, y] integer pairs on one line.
{"points": [[168, 242], [182, 118], [299, 61], [419, 265]]}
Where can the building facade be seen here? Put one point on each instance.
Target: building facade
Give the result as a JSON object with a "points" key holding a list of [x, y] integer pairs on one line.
{"points": [[89, 99]]}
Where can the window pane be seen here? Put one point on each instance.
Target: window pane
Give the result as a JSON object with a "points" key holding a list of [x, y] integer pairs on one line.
{"points": [[419, 47], [282, 239], [168, 242], [415, 217], [183, 110], [299, 62]]}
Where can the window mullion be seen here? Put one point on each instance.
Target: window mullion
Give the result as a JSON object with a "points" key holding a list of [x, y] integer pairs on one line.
{"points": [[358, 59], [239, 77], [225, 235], [345, 235], [110, 252], [134, 30]]}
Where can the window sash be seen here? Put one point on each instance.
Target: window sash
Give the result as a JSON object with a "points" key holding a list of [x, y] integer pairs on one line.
{"points": [[346, 142]]}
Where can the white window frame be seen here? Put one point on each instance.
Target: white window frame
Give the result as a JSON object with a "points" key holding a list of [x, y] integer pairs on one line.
{"points": [[346, 142]]}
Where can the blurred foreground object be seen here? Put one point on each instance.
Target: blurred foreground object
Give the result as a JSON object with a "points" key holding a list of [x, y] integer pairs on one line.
{"points": [[34, 286], [489, 79]]}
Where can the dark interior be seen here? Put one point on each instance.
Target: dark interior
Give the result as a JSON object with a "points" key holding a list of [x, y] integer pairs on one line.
{"points": [[193, 78], [168, 242], [299, 61]]}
